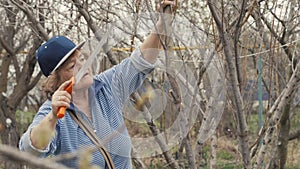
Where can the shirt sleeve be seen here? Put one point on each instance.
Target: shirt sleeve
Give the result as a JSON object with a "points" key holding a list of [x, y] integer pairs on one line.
{"points": [[124, 78], [25, 143], [140, 63]]}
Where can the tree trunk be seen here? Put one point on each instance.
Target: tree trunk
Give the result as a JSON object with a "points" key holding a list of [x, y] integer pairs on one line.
{"points": [[282, 142], [283, 137], [213, 150], [189, 152], [242, 128], [274, 115], [9, 131]]}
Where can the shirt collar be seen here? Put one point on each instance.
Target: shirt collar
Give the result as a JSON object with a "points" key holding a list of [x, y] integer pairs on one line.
{"points": [[98, 85]]}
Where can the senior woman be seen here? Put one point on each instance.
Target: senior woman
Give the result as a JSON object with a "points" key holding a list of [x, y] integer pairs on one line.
{"points": [[57, 59]]}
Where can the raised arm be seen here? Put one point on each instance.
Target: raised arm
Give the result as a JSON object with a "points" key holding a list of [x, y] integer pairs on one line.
{"points": [[152, 44]]}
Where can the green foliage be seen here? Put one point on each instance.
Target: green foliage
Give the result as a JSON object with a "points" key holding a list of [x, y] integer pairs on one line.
{"points": [[225, 155], [155, 165], [229, 166], [253, 124], [24, 118], [295, 121], [205, 152]]}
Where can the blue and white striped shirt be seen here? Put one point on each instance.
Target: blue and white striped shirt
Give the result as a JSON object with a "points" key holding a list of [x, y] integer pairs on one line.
{"points": [[110, 90]]}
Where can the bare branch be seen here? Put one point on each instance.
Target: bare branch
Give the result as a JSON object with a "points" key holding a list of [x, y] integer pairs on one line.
{"points": [[237, 100], [158, 137], [35, 24], [275, 113], [92, 26], [237, 34], [11, 154], [294, 135], [280, 40]]}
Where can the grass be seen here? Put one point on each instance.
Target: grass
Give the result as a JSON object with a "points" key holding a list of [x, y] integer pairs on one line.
{"points": [[225, 155], [228, 156], [24, 118]]}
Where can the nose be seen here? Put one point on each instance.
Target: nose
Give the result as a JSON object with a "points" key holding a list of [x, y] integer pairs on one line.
{"points": [[80, 61]]}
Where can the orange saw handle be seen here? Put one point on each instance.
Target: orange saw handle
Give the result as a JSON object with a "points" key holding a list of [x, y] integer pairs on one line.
{"points": [[61, 110]]}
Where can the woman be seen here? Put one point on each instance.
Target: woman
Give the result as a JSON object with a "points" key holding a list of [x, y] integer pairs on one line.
{"points": [[59, 59]]}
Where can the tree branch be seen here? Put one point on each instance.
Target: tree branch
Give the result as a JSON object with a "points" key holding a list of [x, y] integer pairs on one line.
{"points": [[237, 33], [35, 24], [294, 134], [274, 114], [16, 156], [237, 100], [280, 40], [93, 27]]}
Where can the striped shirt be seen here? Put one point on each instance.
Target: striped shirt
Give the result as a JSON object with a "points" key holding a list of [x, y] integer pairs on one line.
{"points": [[107, 95]]}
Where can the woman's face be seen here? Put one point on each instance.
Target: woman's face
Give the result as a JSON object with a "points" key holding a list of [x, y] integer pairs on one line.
{"points": [[72, 66]]}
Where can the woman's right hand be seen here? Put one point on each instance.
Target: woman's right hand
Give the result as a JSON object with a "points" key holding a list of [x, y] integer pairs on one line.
{"points": [[61, 98], [164, 3]]}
